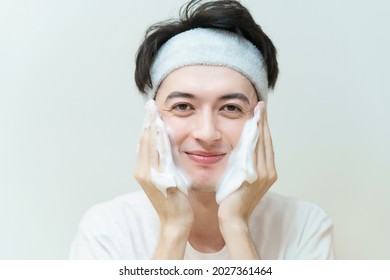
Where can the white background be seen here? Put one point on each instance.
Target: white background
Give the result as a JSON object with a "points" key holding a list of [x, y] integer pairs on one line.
{"points": [[71, 116]]}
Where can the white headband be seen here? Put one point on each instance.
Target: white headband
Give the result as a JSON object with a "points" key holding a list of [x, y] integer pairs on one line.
{"points": [[214, 47]]}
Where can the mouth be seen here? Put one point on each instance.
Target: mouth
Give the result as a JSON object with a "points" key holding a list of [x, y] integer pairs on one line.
{"points": [[205, 157]]}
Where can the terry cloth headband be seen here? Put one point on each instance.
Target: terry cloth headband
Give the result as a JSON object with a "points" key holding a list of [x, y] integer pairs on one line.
{"points": [[214, 47]]}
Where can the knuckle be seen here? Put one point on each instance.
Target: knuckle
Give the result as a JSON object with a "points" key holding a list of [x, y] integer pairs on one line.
{"points": [[262, 177], [141, 178], [273, 176], [267, 177]]}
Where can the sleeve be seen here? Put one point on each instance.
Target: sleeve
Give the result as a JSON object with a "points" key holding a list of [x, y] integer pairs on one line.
{"points": [[96, 237], [315, 240]]}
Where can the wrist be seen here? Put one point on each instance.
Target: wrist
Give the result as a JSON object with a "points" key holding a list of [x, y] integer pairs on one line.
{"points": [[239, 241], [172, 243], [174, 232], [234, 227]]}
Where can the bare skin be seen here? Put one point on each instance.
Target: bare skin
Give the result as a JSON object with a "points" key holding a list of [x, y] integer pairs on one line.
{"points": [[206, 122]]}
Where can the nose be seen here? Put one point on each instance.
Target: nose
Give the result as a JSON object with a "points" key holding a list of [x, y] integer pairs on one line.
{"points": [[206, 128]]}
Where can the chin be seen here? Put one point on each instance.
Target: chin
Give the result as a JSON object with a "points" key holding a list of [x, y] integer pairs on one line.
{"points": [[204, 183], [203, 188]]}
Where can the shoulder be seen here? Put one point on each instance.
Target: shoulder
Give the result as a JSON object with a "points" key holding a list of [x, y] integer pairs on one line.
{"points": [[119, 211], [292, 228], [117, 229], [275, 204]]}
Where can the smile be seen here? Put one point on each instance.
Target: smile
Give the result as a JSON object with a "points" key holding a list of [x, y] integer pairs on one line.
{"points": [[205, 158]]}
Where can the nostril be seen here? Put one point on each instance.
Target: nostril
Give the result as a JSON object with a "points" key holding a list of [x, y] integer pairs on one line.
{"points": [[206, 133]]}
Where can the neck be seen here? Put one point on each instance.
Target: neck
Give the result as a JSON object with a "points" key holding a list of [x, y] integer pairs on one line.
{"points": [[205, 234]]}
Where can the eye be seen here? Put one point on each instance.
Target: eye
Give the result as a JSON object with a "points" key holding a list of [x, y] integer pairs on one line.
{"points": [[231, 111], [230, 108], [182, 109]]}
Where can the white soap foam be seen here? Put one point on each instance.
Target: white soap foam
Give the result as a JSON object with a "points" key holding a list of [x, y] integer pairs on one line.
{"points": [[167, 174], [240, 166]]}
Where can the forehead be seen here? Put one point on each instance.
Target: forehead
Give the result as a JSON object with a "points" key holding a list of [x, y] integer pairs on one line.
{"points": [[206, 81]]}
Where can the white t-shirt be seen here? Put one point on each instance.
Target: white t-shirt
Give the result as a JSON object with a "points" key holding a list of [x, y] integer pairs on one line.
{"points": [[128, 227]]}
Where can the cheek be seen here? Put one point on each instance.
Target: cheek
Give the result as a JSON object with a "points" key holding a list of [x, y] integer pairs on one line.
{"points": [[231, 131], [177, 130]]}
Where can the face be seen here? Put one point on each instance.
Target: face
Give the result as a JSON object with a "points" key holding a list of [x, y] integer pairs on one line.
{"points": [[205, 109]]}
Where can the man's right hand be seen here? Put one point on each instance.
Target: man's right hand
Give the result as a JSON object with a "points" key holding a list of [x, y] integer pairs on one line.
{"points": [[175, 213]]}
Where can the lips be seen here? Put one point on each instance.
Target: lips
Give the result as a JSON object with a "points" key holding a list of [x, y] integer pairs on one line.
{"points": [[205, 157]]}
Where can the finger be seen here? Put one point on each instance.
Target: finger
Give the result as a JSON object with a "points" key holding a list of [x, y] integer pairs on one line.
{"points": [[141, 175], [145, 161], [153, 154], [261, 161], [268, 147]]}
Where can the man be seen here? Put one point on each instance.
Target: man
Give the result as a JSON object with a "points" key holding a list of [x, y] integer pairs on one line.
{"points": [[208, 73]]}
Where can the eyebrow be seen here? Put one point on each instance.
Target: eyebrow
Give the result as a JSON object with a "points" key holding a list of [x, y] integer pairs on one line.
{"points": [[239, 96], [176, 94]]}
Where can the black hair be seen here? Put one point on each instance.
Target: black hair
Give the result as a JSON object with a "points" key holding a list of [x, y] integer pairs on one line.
{"points": [[228, 15]]}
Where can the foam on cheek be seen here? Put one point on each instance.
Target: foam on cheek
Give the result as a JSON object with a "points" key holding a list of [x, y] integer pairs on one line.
{"points": [[240, 166], [166, 175], [169, 131]]}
